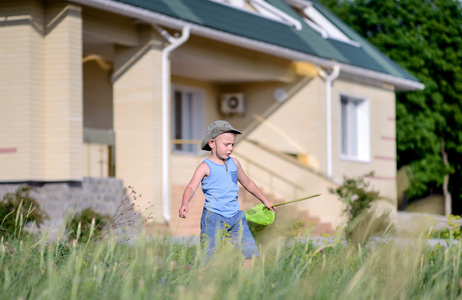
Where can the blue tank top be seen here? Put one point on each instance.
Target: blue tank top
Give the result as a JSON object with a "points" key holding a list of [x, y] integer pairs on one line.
{"points": [[220, 188]]}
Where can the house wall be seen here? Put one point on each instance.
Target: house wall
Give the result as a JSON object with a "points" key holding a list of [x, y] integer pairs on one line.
{"points": [[297, 125], [21, 99], [382, 139], [137, 119], [42, 114], [41, 109], [222, 63], [122, 84], [284, 179], [102, 28], [63, 92]]}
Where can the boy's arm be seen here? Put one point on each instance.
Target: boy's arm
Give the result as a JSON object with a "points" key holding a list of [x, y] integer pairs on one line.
{"points": [[201, 171], [250, 186]]}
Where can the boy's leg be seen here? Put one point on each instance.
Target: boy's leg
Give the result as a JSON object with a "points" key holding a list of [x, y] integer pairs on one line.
{"points": [[211, 225], [247, 263], [242, 237]]}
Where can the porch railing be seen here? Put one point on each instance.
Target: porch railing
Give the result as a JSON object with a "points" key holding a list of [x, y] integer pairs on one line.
{"points": [[188, 142], [103, 139], [272, 176]]}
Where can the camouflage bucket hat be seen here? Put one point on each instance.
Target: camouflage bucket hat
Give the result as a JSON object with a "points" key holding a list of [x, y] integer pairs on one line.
{"points": [[214, 130]]}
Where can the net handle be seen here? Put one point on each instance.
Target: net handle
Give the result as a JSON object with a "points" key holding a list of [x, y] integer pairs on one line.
{"points": [[296, 200]]}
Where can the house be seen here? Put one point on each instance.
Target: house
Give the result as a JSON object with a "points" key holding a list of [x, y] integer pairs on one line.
{"points": [[100, 94]]}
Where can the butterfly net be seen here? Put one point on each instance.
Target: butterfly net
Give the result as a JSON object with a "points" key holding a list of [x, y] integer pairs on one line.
{"points": [[260, 214]]}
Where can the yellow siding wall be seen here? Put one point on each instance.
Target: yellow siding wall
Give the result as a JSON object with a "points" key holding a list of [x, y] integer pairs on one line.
{"points": [[300, 125], [41, 105], [291, 181], [137, 119], [382, 129], [297, 126], [207, 53], [40, 95], [101, 25], [20, 96], [382, 138], [63, 92]]}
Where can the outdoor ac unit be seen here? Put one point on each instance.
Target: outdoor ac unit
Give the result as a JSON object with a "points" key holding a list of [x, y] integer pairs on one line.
{"points": [[232, 103]]}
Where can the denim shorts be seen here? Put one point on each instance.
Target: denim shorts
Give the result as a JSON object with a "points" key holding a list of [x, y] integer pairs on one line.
{"points": [[215, 226]]}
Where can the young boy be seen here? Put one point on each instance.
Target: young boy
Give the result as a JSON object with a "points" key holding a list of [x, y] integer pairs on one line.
{"points": [[219, 174]]}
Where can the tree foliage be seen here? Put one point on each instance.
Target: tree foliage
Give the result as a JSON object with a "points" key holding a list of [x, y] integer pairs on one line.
{"points": [[424, 37]]}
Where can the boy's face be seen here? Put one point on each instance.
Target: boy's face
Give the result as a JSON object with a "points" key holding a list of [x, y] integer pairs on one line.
{"points": [[223, 145]]}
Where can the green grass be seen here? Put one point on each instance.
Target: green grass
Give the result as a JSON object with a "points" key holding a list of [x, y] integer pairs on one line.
{"points": [[161, 267]]}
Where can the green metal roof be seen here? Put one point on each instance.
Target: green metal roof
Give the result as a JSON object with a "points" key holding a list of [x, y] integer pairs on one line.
{"points": [[246, 24]]}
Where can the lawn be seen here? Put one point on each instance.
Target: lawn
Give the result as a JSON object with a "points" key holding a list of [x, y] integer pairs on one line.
{"points": [[164, 267]]}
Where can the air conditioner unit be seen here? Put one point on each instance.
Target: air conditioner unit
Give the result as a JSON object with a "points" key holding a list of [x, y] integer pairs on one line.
{"points": [[232, 103]]}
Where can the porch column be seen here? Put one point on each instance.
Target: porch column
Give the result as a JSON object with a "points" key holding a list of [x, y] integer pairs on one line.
{"points": [[63, 96], [21, 90], [137, 120], [41, 95]]}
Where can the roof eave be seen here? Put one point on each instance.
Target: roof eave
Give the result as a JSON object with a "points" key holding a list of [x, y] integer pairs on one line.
{"points": [[151, 17]]}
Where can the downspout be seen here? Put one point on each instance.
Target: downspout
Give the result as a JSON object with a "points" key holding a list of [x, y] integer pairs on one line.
{"points": [[329, 80], [174, 43]]}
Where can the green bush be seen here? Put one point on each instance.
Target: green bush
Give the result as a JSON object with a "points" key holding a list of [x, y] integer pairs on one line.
{"points": [[355, 194], [453, 232], [19, 209], [86, 231], [358, 197]]}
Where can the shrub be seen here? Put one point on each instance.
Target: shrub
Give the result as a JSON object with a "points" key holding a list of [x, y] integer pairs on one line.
{"points": [[453, 232], [123, 222], [361, 223], [85, 220], [19, 209]]}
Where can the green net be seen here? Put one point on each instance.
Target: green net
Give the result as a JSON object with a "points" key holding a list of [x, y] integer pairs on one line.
{"points": [[260, 214]]}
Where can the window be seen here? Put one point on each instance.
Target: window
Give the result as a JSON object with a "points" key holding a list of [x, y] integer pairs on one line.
{"points": [[264, 9], [238, 3], [318, 22], [354, 128], [188, 121]]}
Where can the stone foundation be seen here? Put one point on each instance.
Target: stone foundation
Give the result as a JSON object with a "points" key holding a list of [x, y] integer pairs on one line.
{"points": [[103, 195]]}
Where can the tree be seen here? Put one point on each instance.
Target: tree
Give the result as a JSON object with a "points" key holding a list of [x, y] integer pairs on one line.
{"points": [[424, 37]]}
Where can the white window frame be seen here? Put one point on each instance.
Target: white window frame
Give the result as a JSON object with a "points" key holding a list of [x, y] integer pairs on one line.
{"points": [[263, 9], [323, 26], [357, 131], [192, 116]]}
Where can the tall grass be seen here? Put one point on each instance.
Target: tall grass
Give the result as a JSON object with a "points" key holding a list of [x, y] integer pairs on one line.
{"points": [[163, 267]]}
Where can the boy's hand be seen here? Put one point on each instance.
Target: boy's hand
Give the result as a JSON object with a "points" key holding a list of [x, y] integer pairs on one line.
{"points": [[269, 205], [183, 210]]}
